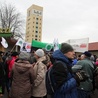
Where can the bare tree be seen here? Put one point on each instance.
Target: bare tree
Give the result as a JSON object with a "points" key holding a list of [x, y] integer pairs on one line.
{"points": [[10, 18]]}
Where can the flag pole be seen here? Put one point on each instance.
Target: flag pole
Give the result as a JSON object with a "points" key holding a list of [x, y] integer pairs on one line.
{"points": [[14, 45], [13, 48]]}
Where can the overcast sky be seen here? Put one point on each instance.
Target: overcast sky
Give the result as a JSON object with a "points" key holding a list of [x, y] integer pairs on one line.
{"points": [[64, 19]]}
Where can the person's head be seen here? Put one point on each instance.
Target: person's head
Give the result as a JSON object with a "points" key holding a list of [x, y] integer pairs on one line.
{"points": [[24, 56], [67, 50], [92, 58], [87, 54], [39, 53], [97, 59], [15, 54], [1, 53], [79, 57], [82, 56]]}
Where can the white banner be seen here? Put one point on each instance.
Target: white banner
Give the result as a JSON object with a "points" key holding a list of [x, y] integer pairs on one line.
{"points": [[79, 45], [20, 42], [55, 44], [26, 47]]}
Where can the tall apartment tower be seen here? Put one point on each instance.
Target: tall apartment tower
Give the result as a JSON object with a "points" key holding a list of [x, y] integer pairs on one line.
{"points": [[34, 23]]}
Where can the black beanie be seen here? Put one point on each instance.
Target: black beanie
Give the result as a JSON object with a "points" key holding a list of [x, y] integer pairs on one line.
{"points": [[88, 54], [66, 48]]}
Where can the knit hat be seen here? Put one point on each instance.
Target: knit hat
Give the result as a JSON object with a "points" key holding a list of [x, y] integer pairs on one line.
{"points": [[39, 52], [24, 56], [88, 54], [66, 48]]}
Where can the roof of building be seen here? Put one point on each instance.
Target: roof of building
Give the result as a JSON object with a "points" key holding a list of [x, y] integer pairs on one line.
{"points": [[93, 46]]}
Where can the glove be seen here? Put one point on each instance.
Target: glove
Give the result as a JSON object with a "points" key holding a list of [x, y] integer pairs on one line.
{"points": [[81, 76]]}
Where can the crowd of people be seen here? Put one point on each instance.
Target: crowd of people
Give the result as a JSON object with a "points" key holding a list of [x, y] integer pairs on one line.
{"points": [[24, 74]]}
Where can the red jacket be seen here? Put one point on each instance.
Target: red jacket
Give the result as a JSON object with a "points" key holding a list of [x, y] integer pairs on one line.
{"points": [[10, 64]]}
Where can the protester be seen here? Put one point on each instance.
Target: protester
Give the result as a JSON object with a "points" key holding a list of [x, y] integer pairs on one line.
{"points": [[85, 88], [22, 77], [1, 53], [6, 57], [2, 77], [96, 63], [38, 88], [10, 63], [64, 81]]}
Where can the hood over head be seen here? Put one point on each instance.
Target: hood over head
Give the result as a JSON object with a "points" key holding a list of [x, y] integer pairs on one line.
{"points": [[58, 55], [22, 66]]}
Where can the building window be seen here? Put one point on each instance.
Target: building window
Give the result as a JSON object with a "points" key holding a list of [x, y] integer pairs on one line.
{"points": [[36, 31], [35, 35], [36, 18], [35, 38], [36, 22], [28, 19], [33, 17], [36, 27]]}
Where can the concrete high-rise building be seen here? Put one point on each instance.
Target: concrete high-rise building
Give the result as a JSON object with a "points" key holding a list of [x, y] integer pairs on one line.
{"points": [[34, 23]]}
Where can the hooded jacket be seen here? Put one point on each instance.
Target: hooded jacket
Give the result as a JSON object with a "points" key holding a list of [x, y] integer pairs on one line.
{"points": [[38, 87], [88, 67], [67, 85], [22, 78]]}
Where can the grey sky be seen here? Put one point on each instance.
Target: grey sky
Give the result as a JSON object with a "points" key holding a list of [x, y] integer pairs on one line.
{"points": [[64, 19]]}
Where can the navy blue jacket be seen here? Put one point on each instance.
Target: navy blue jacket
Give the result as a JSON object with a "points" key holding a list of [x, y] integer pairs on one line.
{"points": [[66, 83]]}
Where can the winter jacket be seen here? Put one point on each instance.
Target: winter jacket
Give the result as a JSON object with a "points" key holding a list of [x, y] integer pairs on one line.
{"points": [[2, 78], [22, 79], [88, 67], [39, 88], [10, 64], [66, 83]]}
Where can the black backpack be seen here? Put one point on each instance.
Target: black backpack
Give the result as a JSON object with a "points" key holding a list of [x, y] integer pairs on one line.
{"points": [[49, 83], [51, 86]]}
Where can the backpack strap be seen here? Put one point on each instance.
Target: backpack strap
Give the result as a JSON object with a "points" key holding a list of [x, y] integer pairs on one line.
{"points": [[50, 80]]}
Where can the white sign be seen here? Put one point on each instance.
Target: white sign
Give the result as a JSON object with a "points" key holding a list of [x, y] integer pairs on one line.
{"points": [[26, 47], [79, 45], [20, 42], [55, 44]]}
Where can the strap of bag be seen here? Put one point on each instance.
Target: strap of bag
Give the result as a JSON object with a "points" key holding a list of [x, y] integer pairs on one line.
{"points": [[50, 79]]}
